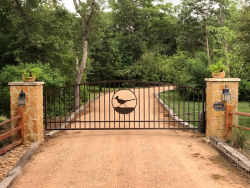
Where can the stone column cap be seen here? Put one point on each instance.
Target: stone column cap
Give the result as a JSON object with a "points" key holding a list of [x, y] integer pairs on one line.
{"points": [[222, 79], [25, 83]]}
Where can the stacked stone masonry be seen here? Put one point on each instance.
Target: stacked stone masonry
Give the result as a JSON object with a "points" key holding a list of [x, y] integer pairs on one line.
{"points": [[215, 120], [32, 111]]}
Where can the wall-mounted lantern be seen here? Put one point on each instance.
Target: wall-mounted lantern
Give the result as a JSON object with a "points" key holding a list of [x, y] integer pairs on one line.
{"points": [[226, 95], [21, 99]]}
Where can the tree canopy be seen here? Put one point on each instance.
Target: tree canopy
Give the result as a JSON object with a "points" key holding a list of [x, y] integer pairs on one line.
{"points": [[125, 39]]}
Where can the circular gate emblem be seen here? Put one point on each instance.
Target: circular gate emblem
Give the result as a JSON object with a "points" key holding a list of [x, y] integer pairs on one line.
{"points": [[124, 101]]}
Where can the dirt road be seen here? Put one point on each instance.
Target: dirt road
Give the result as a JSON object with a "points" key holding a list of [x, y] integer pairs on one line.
{"points": [[128, 159]]}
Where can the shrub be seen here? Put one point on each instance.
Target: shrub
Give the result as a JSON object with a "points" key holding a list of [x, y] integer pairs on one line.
{"points": [[238, 138], [244, 90], [2, 119]]}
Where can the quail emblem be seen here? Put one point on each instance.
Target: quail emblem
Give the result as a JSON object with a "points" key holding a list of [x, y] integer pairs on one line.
{"points": [[124, 101]]}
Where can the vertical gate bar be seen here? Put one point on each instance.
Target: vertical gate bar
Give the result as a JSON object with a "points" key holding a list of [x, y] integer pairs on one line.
{"points": [[134, 110], [189, 105], [104, 106], [79, 108], [75, 104], [174, 113], [60, 124], [179, 106], [149, 124], [164, 123], [99, 105], [193, 109], [169, 105], [199, 110], [119, 113], [89, 109], [64, 106], [203, 110], [94, 109], [46, 98], [114, 110], [154, 103], [144, 110], [50, 109], [84, 104], [139, 107], [159, 124], [124, 126], [109, 104], [55, 106], [129, 120], [183, 109], [119, 120], [70, 106]]}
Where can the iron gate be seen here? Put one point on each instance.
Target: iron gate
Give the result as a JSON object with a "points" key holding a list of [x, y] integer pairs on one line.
{"points": [[124, 105]]}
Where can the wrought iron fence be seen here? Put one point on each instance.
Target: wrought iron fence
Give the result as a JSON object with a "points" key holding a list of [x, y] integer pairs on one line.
{"points": [[124, 105]]}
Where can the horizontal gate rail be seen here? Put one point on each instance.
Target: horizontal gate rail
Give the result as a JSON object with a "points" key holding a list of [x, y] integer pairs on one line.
{"points": [[124, 104]]}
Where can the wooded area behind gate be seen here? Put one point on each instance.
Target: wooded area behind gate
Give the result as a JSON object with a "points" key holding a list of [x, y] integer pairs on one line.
{"points": [[126, 40]]}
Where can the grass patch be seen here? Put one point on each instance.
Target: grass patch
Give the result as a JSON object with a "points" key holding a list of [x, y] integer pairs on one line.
{"points": [[185, 107], [244, 106], [244, 121]]}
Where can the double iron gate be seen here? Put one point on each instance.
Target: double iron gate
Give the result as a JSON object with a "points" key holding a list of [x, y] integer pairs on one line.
{"points": [[124, 105]]}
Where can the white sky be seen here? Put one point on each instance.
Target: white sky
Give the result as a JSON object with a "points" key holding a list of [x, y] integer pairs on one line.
{"points": [[70, 6]]}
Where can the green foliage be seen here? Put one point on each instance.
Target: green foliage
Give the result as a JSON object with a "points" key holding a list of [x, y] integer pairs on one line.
{"points": [[184, 69], [29, 72], [138, 40], [2, 119], [238, 138], [244, 90], [150, 67], [10, 73], [217, 67]]}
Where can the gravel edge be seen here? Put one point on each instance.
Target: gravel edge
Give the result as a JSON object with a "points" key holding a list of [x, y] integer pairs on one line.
{"points": [[17, 170]]}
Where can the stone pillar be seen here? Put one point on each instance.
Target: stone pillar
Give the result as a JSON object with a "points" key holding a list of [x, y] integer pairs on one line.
{"points": [[215, 118], [32, 111]]}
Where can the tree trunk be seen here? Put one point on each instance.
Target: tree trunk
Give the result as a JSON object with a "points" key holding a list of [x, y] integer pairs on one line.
{"points": [[86, 19], [225, 41], [79, 73], [207, 46]]}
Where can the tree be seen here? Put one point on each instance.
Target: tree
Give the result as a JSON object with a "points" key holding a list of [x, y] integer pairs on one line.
{"points": [[200, 13], [88, 12]]}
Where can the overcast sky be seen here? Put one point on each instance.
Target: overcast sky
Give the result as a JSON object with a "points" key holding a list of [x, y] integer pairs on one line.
{"points": [[70, 6]]}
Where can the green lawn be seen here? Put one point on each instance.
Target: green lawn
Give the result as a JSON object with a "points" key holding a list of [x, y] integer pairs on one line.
{"points": [[186, 110], [244, 121], [244, 107], [181, 107]]}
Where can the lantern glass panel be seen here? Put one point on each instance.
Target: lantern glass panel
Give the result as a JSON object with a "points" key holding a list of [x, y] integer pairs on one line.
{"points": [[21, 99]]}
